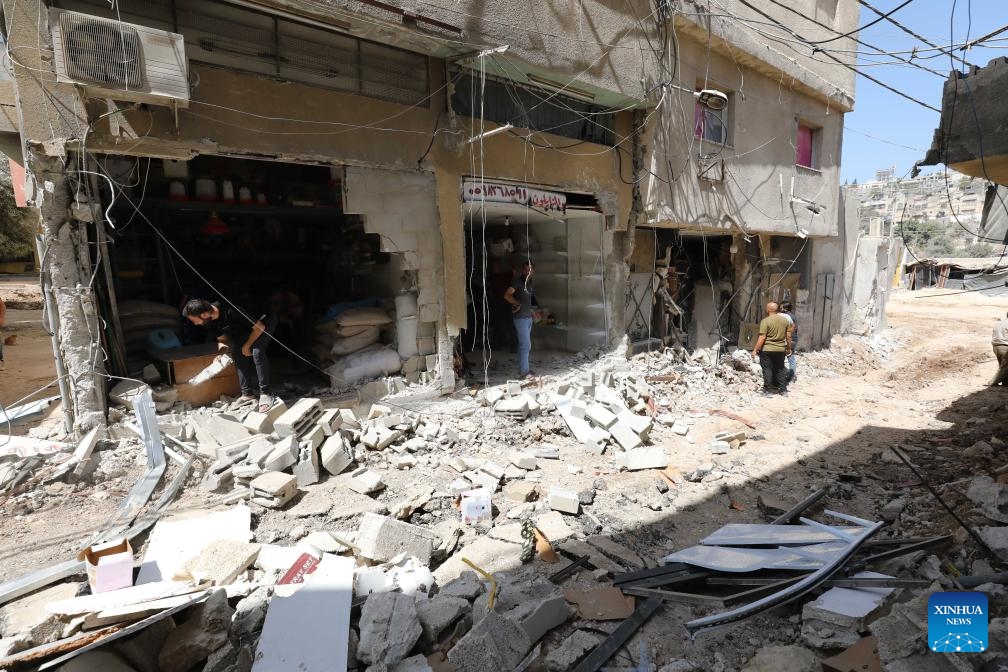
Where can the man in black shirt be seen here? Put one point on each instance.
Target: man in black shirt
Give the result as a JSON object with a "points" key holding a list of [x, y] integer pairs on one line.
{"points": [[246, 340]]}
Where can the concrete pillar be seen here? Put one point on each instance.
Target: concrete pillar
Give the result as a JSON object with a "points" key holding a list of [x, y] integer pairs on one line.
{"points": [[51, 117], [67, 265]]}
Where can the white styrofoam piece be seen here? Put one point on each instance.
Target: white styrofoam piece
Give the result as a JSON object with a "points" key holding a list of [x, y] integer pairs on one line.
{"points": [[173, 542], [760, 534], [308, 630], [120, 598], [854, 602]]}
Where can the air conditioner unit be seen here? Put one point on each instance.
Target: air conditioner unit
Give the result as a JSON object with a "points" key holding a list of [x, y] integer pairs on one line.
{"points": [[122, 61]]}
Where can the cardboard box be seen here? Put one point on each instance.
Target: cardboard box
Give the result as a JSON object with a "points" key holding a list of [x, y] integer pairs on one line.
{"points": [[109, 565], [180, 364]]}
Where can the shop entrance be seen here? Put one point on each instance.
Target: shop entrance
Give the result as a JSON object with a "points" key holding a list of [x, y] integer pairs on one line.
{"points": [[568, 249], [270, 237]]}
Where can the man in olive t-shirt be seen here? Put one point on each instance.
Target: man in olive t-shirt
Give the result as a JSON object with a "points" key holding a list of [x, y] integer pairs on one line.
{"points": [[773, 346]]}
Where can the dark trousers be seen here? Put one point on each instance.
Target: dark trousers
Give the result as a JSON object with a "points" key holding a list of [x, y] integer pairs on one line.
{"points": [[254, 371], [775, 375], [1001, 352]]}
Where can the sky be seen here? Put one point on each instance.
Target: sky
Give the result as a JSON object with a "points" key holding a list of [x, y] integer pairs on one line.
{"points": [[902, 130]]}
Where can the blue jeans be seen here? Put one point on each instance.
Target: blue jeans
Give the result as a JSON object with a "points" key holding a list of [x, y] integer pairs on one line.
{"points": [[792, 363], [523, 327]]}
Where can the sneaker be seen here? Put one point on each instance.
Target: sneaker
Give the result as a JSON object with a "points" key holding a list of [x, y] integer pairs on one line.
{"points": [[246, 399]]}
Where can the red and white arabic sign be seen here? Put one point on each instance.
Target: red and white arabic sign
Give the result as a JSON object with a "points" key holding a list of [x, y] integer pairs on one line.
{"points": [[496, 192]]}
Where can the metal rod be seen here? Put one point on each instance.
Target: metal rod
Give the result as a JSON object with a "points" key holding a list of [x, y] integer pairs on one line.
{"points": [[934, 493], [685, 598], [569, 570], [607, 649], [866, 582], [902, 550], [799, 508]]}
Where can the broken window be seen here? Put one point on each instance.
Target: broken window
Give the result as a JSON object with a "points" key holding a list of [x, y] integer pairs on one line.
{"points": [[712, 125]]}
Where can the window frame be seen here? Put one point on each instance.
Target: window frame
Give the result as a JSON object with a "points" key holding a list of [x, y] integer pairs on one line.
{"points": [[814, 145], [724, 117]]}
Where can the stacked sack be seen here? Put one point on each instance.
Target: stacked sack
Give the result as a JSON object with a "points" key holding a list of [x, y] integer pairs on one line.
{"points": [[349, 331]]}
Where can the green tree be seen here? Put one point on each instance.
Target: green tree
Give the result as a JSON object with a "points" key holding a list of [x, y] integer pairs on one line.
{"points": [[17, 225]]}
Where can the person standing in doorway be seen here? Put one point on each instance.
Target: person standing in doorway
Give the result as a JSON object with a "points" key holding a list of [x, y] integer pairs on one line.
{"points": [[787, 310], [1000, 343], [772, 346], [247, 341], [520, 296]]}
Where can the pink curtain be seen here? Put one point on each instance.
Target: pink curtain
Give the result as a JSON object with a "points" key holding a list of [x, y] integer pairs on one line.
{"points": [[803, 147]]}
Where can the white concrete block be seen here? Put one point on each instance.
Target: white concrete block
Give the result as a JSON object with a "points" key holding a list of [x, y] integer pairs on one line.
{"points": [[600, 415], [565, 501], [365, 481], [524, 460], [625, 436], [653, 457]]}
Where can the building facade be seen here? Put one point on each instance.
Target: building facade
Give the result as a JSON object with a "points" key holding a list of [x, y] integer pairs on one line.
{"points": [[309, 155]]}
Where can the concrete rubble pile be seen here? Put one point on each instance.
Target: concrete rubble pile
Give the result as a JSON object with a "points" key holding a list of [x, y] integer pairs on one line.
{"points": [[480, 532]]}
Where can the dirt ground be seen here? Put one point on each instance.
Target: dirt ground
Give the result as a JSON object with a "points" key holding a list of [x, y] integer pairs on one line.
{"points": [[29, 361], [923, 383]]}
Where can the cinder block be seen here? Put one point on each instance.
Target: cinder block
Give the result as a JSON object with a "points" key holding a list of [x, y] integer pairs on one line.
{"points": [[298, 418], [653, 457], [578, 409], [330, 421], [626, 436], [307, 469], [640, 424], [381, 538], [283, 456], [365, 481], [262, 423], [274, 488], [564, 501], [314, 437], [494, 469], [523, 460], [259, 450], [600, 415], [336, 454]]}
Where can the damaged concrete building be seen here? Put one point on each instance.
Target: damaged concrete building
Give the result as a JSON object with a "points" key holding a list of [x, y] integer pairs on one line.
{"points": [[741, 204], [314, 156]]}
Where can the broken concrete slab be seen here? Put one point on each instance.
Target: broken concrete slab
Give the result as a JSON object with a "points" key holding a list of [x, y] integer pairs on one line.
{"points": [[577, 548], [523, 460], [491, 555], [520, 491], [571, 651], [203, 632], [438, 613], [538, 617], [417, 663], [416, 498], [495, 643], [174, 541], [467, 586], [221, 562], [389, 628], [553, 526], [308, 630], [215, 431], [30, 621], [381, 538], [618, 551], [783, 659]]}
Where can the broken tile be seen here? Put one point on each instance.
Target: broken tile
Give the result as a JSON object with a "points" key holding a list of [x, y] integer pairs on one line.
{"points": [[222, 561], [389, 628], [381, 538]]}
